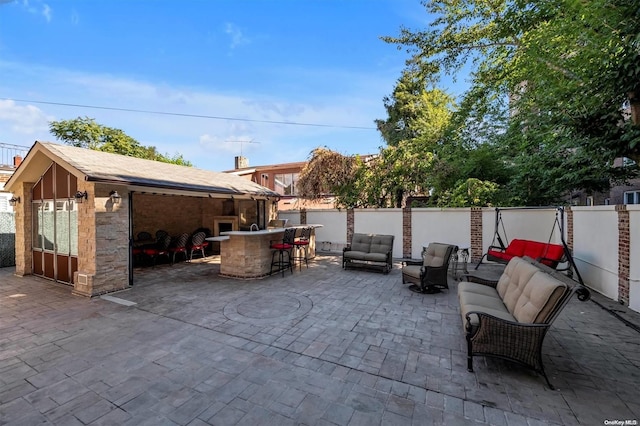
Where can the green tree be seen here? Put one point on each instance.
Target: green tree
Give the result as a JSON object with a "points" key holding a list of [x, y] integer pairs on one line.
{"points": [[557, 73], [86, 133], [417, 117]]}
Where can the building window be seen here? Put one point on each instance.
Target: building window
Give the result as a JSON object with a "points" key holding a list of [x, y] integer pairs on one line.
{"points": [[632, 197], [286, 183]]}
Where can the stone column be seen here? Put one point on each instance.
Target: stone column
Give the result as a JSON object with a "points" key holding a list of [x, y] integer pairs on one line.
{"points": [[623, 254], [23, 215], [476, 234], [303, 216]]}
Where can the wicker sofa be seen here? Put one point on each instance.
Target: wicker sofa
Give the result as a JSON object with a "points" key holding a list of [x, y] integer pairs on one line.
{"points": [[509, 318], [370, 251]]}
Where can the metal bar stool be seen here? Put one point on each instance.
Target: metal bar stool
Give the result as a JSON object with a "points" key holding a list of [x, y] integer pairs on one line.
{"points": [[302, 243], [281, 247]]}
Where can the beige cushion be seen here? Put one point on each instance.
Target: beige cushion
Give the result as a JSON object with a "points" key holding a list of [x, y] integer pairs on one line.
{"points": [[511, 284], [381, 244], [435, 254], [375, 257], [352, 254], [538, 297], [411, 270], [480, 298], [361, 242], [477, 288]]}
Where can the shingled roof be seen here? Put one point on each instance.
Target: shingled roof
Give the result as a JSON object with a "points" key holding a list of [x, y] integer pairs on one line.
{"points": [[98, 166]]}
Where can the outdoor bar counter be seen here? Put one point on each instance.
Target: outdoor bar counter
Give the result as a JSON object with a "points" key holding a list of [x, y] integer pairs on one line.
{"points": [[246, 254]]}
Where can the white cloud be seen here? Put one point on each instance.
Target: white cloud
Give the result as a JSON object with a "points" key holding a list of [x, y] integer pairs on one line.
{"points": [[237, 37], [75, 17], [26, 120], [203, 140], [38, 8], [46, 12]]}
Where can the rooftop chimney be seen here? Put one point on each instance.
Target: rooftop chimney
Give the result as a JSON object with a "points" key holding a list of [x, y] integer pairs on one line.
{"points": [[241, 162], [17, 160]]}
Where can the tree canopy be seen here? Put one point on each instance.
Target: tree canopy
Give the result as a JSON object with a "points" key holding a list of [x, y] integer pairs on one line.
{"points": [[550, 83], [86, 133]]}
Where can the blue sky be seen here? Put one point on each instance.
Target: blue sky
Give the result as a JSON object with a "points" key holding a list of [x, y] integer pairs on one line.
{"points": [[305, 61]]}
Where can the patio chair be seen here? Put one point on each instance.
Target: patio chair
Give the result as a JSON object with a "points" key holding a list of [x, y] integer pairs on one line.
{"points": [[282, 247], [179, 245], [197, 244], [429, 275], [143, 239], [302, 243], [161, 248]]}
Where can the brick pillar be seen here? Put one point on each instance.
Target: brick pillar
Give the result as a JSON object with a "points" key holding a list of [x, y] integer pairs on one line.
{"points": [[623, 254], [476, 234], [569, 213], [350, 225], [406, 232], [303, 216]]}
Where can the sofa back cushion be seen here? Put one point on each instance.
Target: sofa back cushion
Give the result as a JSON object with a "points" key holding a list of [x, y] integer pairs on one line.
{"points": [[538, 299], [529, 294], [436, 255], [516, 275], [361, 242], [381, 244]]}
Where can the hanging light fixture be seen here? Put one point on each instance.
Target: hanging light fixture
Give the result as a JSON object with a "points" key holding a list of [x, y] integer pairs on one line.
{"points": [[13, 201], [80, 195], [115, 197]]}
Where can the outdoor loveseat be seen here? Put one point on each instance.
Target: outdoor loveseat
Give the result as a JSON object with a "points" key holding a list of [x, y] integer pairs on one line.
{"points": [[369, 250], [509, 318]]}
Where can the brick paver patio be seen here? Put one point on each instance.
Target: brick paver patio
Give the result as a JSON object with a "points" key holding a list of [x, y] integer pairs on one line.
{"points": [[320, 347]]}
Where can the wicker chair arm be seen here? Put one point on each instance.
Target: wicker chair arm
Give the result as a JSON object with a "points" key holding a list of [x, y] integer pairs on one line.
{"points": [[346, 249], [412, 262], [427, 269], [497, 248], [478, 280], [497, 335]]}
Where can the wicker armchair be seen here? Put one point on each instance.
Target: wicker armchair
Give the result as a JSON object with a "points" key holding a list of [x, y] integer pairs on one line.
{"points": [[429, 275]]}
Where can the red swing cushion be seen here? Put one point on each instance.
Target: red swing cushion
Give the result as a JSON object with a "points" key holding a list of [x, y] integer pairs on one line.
{"points": [[547, 253]]}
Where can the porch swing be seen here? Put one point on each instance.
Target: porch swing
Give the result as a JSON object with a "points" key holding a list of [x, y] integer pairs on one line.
{"points": [[550, 254]]}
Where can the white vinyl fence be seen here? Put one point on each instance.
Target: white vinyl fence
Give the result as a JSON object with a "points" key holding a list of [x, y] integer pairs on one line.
{"points": [[595, 235]]}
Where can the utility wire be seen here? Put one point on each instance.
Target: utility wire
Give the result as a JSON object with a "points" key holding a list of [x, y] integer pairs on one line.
{"points": [[178, 114]]}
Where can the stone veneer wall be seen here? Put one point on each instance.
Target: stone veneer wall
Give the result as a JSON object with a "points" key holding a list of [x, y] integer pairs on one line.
{"points": [[103, 241], [24, 253]]}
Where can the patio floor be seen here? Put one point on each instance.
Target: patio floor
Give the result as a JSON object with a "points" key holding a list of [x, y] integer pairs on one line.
{"points": [[321, 346]]}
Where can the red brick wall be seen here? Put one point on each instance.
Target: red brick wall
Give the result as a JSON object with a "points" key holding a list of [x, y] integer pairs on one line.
{"points": [[476, 234], [406, 232], [623, 254], [350, 224]]}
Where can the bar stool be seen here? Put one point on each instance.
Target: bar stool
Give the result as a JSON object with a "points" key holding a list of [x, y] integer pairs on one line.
{"points": [[302, 243], [281, 247]]}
